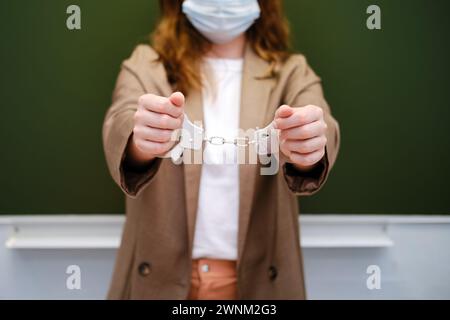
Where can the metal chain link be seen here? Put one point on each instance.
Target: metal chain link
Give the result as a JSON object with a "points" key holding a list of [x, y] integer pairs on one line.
{"points": [[239, 142]]}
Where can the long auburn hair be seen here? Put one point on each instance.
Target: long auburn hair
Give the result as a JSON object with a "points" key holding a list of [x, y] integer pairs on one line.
{"points": [[180, 46]]}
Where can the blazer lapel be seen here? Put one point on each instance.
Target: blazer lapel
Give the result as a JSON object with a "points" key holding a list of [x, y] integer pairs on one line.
{"points": [[192, 172], [256, 91]]}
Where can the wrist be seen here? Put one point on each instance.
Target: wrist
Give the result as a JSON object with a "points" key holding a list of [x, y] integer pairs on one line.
{"points": [[303, 168], [135, 157]]}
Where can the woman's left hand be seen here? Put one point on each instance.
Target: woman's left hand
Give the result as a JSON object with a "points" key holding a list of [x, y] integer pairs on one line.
{"points": [[302, 135]]}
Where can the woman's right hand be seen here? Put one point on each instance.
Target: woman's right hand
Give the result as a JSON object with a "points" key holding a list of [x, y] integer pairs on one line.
{"points": [[155, 122]]}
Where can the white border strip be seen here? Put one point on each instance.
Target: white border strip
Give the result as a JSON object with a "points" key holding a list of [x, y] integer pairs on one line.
{"points": [[104, 231]]}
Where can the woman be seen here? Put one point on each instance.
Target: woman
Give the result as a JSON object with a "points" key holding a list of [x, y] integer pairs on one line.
{"points": [[219, 229]]}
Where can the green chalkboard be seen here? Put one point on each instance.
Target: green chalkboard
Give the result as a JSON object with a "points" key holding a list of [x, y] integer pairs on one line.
{"points": [[388, 88]]}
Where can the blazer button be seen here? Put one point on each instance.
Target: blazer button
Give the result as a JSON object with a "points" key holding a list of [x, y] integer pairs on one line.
{"points": [[273, 272], [144, 269]]}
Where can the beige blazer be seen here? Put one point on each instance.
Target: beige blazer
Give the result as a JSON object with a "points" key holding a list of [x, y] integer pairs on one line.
{"points": [[154, 259]]}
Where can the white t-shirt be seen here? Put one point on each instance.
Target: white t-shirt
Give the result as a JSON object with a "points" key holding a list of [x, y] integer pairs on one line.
{"points": [[216, 228]]}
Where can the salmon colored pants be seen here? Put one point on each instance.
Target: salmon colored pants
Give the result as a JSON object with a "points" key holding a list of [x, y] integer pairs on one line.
{"points": [[213, 280]]}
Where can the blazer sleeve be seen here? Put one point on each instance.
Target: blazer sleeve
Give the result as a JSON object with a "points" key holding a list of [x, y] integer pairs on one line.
{"points": [[304, 88], [117, 131]]}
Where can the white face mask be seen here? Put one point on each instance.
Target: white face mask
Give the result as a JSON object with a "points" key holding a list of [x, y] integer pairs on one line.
{"points": [[221, 21]]}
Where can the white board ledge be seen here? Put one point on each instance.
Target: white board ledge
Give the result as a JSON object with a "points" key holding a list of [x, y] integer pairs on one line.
{"points": [[104, 231], [64, 232]]}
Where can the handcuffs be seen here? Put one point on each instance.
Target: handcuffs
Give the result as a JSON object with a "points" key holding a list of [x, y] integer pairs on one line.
{"points": [[193, 136]]}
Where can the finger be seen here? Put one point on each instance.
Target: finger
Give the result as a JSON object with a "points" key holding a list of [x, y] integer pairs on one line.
{"points": [[284, 111], [160, 121], [152, 134], [159, 104], [300, 117], [285, 150], [306, 146], [304, 132], [307, 159], [177, 99], [153, 148]]}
